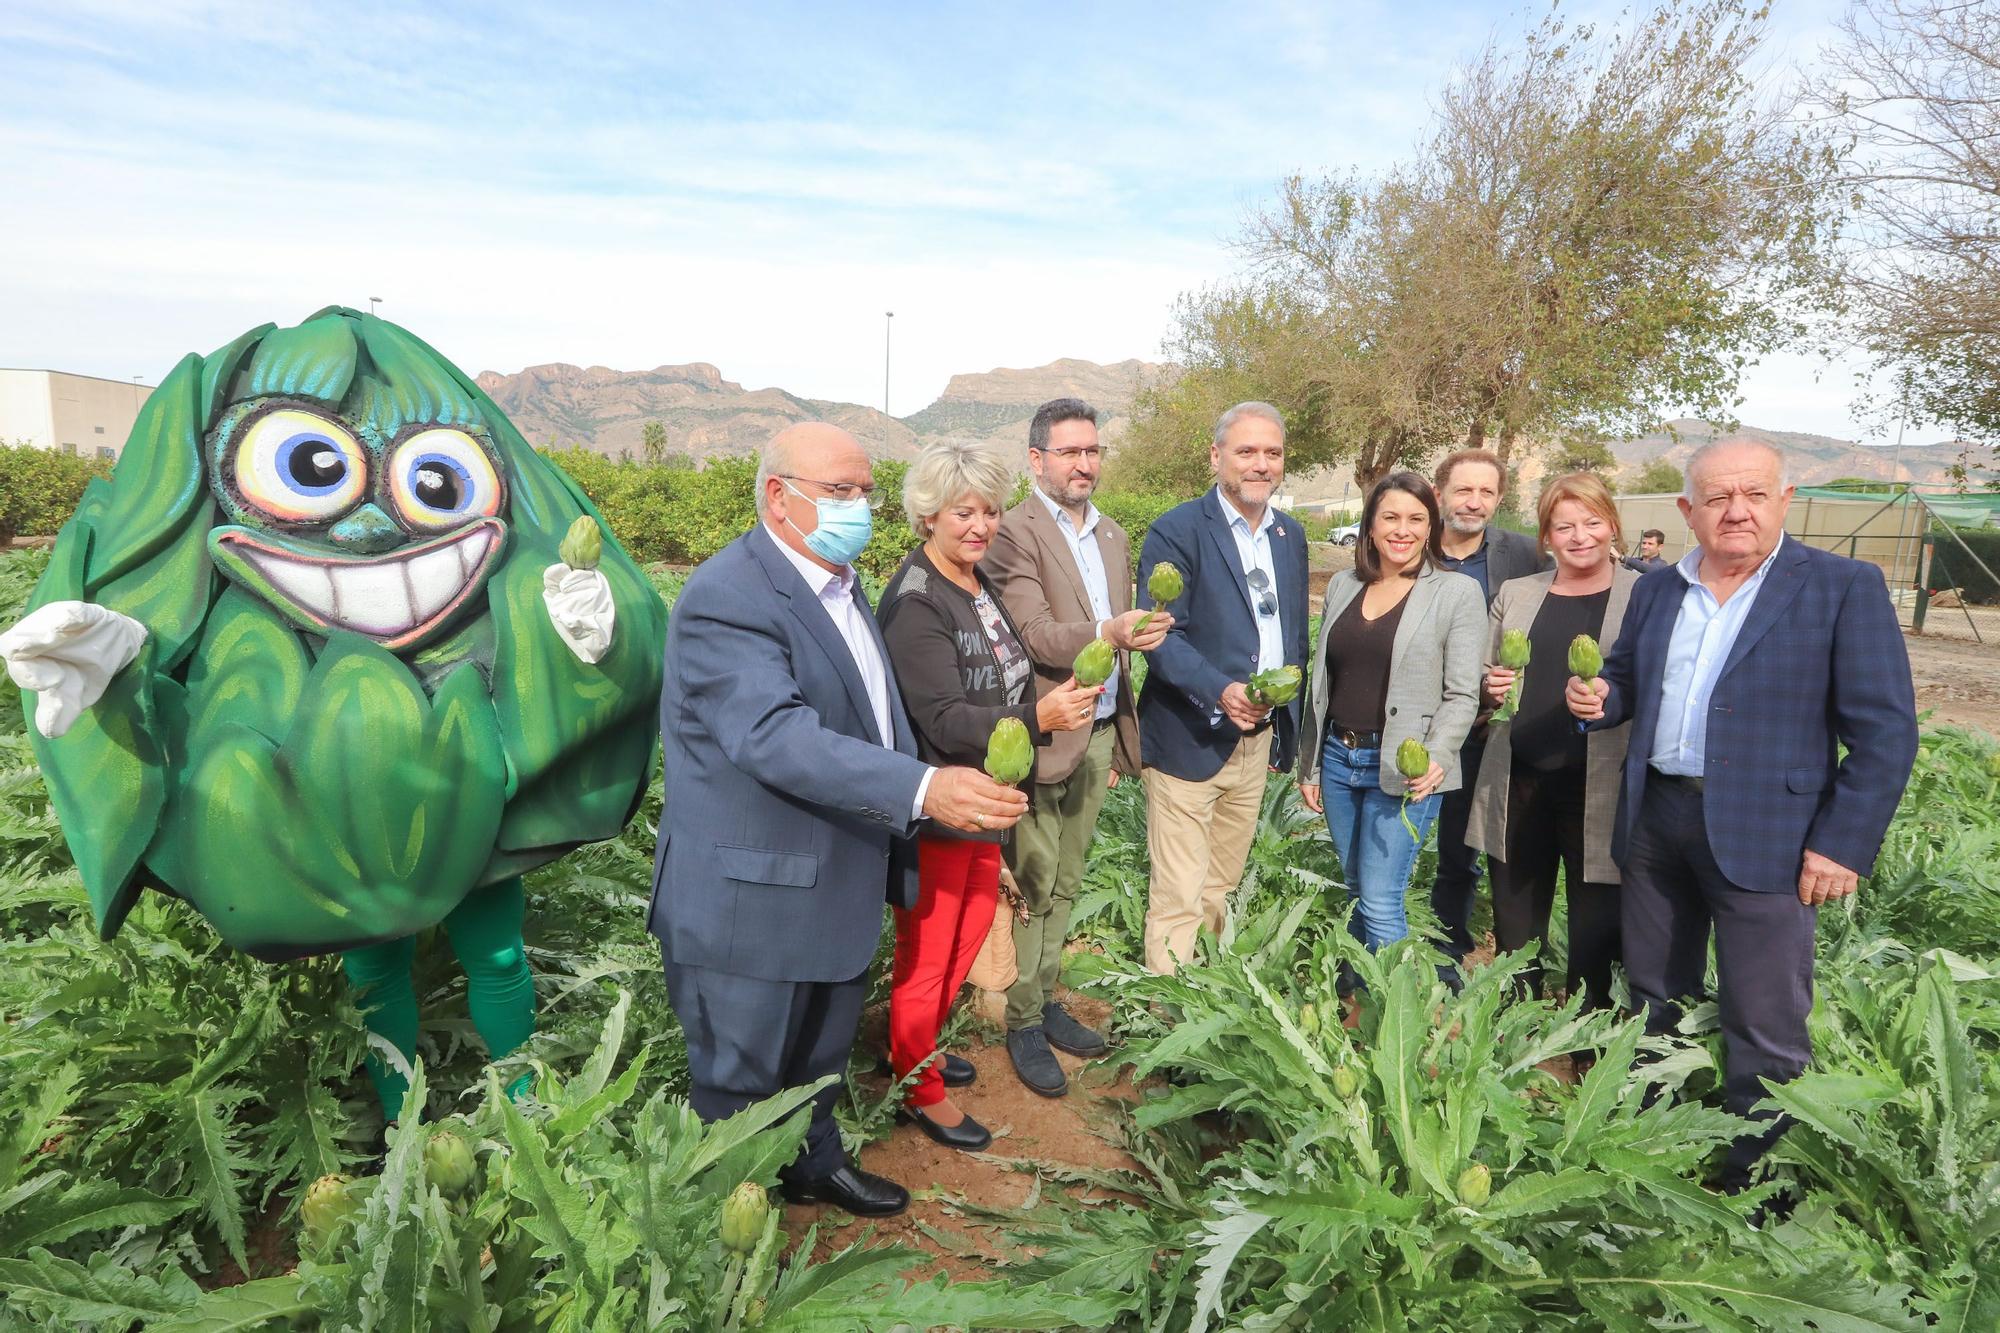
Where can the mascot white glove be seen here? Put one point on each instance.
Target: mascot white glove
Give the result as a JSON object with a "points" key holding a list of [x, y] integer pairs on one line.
{"points": [[579, 602], [67, 653]]}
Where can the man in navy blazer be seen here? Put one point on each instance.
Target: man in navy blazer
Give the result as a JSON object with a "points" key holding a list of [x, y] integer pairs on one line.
{"points": [[792, 784], [1743, 670], [1204, 745]]}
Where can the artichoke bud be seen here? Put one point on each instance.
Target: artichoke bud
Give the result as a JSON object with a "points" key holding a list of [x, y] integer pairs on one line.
{"points": [[330, 1205], [1475, 1185], [1586, 659], [583, 545], [1164, 584], [1308, 1019], [1993, 764], [1412, 759], [1514, 649], [1274, 688], [448, 1163], [743, 1214], [1346, 1082], [1010, 754], [1093, 665]]}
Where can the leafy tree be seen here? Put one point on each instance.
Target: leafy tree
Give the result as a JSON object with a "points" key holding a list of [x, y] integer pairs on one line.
{"points": [[1597, 224], [1658, 477], [1583, 453], [653, 442], [1918, 83]]}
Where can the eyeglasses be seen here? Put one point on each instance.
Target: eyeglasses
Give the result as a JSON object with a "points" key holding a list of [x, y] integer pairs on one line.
{"points": [[1267, 600], [1090, 453], [843, 491]]}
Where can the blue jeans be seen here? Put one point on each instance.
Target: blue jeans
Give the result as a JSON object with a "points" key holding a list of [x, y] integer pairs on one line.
{"points": [[1376, 852]]}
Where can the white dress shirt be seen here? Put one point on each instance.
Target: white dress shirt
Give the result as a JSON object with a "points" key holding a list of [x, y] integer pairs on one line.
{"points": [[836, 597], [1096, 586], [1253, 548], [1704, 632]]}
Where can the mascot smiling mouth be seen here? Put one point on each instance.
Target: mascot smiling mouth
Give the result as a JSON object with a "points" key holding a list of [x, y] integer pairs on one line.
{"points": [[398, 599]]}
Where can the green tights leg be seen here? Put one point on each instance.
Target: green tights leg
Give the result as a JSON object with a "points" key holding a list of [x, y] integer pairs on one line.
{"points": [[485, 932]]}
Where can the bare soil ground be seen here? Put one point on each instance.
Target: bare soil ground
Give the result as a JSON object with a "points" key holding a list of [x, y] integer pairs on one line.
{"points": [[1079, 1130], [1957, 680]]}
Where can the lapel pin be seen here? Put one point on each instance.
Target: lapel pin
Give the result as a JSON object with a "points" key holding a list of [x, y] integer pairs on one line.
{"points": [[1280, 529]]}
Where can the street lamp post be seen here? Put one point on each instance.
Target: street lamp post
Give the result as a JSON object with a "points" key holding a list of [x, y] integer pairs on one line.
{"points": [[373, 301], [888, 322]]}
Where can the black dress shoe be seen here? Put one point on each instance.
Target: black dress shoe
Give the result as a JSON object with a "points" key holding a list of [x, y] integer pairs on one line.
{"points": [[968, 1135], [859, 1192], [1066, 1034], [957, 1072], [1036, 1064]]}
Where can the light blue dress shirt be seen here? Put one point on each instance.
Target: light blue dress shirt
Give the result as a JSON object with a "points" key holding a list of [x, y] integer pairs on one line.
{"points": [[1090, 564], [1254, 549], [1704, 632]]}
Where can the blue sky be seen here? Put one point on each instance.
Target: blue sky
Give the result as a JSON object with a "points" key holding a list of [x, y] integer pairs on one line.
{"points": [[650, 184]]}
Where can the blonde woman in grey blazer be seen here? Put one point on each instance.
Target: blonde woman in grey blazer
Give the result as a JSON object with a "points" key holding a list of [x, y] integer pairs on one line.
{"points": [[1398, 658], [1547, 794]]}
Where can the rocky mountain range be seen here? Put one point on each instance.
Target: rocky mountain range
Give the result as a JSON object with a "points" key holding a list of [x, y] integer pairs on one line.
{"points": [[704, 414]]}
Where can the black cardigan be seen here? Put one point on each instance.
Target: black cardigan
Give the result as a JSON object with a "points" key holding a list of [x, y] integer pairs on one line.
{"points": [[945, 668]]}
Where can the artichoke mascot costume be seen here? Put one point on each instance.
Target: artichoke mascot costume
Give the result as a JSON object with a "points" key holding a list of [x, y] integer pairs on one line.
{"points": [[335, 656]]}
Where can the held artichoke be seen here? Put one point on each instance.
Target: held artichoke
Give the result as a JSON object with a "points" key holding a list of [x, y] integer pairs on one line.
{"points": [[1010, 754], [1475, 1185], [1514, 651], [1412, 761], [1094, 664], [1586, 659], [583, 545], [743, 1214], [331, 1204], [449, 1164], [1164, 584], [1274, 688]]}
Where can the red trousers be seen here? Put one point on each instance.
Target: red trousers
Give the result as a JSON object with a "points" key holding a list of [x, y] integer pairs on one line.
{"points": [[958, 884]]}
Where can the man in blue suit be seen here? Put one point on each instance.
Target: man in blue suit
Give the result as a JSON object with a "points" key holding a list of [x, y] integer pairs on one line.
{"points": [[1743, 670], [1205, 746], [792, 785]]}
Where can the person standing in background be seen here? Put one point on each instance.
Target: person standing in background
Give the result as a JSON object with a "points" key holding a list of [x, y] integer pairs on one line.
{"points": [[1470, 486], [1064, 572], [1649, 558], [1546, 792], [1206, 745]]}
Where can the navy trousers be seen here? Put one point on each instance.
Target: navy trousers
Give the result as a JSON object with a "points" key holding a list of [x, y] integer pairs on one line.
{"points": [[1674, 895], [1456, 884], [748, 1039]]}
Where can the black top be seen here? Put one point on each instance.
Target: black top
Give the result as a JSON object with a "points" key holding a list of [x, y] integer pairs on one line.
{"points": [[1545, 737], [958, 663], [1357, 667]]}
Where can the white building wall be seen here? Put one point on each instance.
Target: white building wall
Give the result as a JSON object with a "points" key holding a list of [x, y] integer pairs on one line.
{"points": [[27, 408]]}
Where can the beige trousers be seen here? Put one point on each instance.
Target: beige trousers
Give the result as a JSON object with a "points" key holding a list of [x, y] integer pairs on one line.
{"points": [[1199, 835]]}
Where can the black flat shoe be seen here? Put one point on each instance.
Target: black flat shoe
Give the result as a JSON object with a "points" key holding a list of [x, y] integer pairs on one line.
{"points": [[859, 1192], [1068, 1035], [968, 1135], [957, 1071], [1035, 1063]]}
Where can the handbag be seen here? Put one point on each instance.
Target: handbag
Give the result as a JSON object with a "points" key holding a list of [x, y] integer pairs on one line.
{"points": [[997, 967]]}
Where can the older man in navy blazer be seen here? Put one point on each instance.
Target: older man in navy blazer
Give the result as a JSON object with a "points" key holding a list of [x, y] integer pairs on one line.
{"points": [[1743, 670], [1205, 745], [791, 785]]}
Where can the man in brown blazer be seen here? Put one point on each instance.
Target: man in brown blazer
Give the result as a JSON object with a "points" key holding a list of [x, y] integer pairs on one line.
{"points": [[1064, 571]]}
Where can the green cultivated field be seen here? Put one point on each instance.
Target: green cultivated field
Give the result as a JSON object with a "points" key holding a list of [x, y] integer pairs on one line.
{"points": [[164, 1104]]}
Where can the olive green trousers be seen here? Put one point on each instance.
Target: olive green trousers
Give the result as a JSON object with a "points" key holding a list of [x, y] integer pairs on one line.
{"points": [[1047, 855]]}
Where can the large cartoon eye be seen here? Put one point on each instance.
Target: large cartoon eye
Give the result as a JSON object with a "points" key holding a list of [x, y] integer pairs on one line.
{"points": [[442, 478], [300, 466]]}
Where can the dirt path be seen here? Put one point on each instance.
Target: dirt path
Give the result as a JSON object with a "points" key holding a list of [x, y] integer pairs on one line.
{"points": [[1957, 679], [1077, 1130]]}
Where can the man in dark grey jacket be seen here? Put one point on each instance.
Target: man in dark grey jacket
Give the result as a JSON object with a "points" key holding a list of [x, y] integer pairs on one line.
{"points": [[1469, 485], [792, 784]]}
